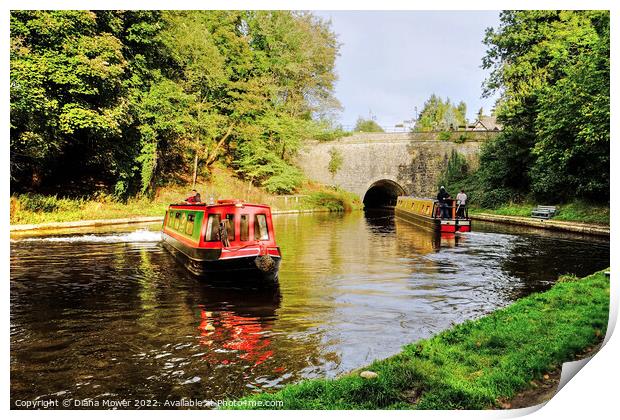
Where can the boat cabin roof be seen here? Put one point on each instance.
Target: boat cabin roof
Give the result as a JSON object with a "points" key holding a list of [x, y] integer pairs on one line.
{"points": [[410, 198], [199, 225], [219, 203]]}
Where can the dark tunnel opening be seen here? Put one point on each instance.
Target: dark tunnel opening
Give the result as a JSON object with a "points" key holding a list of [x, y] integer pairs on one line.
{"points": [[383, 193]]}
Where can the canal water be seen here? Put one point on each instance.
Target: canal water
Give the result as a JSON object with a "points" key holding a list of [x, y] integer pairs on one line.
{"points": [[112, 315]]}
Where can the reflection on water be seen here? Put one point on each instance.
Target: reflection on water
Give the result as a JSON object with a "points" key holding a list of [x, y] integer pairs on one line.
{"points": [[239, 332], [117, 316]]}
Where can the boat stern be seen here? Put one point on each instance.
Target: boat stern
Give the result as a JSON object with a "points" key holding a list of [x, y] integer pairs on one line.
{"points": [[455, 225]]}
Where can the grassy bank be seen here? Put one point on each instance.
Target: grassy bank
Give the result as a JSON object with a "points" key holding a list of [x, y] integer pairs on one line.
{"points": [[475, 364], [571, 212], [36, 208]]}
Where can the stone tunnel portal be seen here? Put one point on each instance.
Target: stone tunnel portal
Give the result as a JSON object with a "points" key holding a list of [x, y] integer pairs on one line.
{"points": [[382, 193]]}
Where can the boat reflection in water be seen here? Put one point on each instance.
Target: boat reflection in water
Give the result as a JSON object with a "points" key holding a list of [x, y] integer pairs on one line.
{"points": [[234, 325], [424, 241], [449, 240]]}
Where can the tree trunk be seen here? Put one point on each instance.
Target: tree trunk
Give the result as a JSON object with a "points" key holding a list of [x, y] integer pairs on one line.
{"points": [[153, 180], [213, 155], [195, 170], [249, 188]]}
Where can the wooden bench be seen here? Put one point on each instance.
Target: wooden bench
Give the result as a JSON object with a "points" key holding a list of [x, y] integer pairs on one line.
{"points": [[543, 212]]}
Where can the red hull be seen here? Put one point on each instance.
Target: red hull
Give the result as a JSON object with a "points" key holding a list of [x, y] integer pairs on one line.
{"points": [[454, 228]]}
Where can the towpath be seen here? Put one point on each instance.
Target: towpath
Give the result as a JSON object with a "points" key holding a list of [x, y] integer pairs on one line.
{"points": [[587, 228]]}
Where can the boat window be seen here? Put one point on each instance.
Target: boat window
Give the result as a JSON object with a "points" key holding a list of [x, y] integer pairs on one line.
{"points": [[244, 228], [189, 228], [213, 226], [177, 220], [183, 220], [170, 218], [260, 228], [230, 226]]}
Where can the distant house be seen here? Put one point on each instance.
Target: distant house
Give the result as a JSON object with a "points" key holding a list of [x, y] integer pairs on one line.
{"points": [[485, 123]]}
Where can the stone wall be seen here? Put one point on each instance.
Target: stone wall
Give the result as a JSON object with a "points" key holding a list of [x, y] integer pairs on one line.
{"points": [[413, 160]]}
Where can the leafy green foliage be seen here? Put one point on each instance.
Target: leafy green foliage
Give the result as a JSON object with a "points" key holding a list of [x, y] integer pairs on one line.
{"points": [[444, 135], [259, 162], [334, 199], [126, 100], [43, 203], [462, 138], [367, 126], [66, 94], [552, 69], [572, 154], [474, 364], [438, 114], [335, 161], [455, 174], [458, 175], [329, 133], [495, 182]]}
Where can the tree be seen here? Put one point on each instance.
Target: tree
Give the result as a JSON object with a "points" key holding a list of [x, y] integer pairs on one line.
{"points": [[66, 96], [335, 161], [454, 176], [127, 100], [438, 114], [267, 75], [367, 126], [573, 124], [552, 69]]}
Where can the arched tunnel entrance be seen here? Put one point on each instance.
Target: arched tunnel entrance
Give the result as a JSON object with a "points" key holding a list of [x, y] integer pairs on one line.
{"points": [[382, 193]]}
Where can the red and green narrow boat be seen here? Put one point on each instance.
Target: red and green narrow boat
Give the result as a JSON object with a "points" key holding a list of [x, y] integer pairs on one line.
{"points": [[426, 213], [229, 240]]}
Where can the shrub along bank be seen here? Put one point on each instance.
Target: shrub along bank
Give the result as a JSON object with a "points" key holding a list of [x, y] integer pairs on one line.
{"points": [[475, 364]]}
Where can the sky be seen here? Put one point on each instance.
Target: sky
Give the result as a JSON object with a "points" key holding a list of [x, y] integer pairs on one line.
{"points": [[391, 61]]}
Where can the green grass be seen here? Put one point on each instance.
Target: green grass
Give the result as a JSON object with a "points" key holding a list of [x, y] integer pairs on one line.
{"points": [[36, 208], [333, 199], [24, 209], [577, 211], [474, 364]]}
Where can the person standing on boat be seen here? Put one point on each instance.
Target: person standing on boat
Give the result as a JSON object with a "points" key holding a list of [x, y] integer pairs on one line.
{"points": [[442, 198], [194, 198], [461, 202]]}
